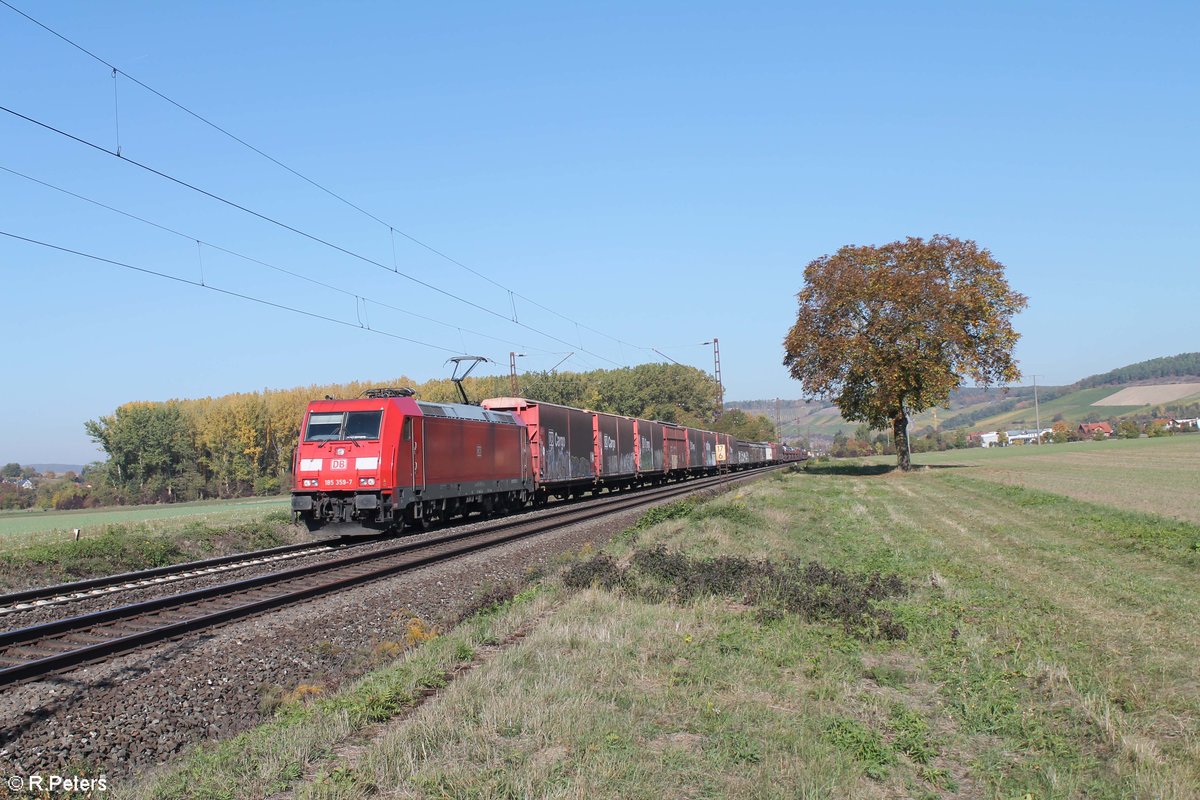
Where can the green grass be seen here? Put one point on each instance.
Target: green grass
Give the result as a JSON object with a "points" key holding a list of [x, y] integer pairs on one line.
{"points": [[1155, 476], [16, 523], [116, 548]]}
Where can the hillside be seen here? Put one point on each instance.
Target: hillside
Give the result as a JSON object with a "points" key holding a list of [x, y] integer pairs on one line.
{"points": [[817, 420], [1165, 370], [1013, 407]]}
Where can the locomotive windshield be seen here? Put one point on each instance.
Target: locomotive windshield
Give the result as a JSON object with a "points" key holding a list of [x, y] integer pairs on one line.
{"points": [[363, 424], [325, 426]]}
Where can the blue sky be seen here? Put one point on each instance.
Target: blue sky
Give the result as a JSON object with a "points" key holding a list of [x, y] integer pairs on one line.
{"points": [[660, 173]]}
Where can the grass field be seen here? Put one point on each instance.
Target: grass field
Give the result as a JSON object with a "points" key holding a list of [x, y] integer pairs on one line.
{"points": [[24, 522], [1016, 643], [1157, 476], [38, 548]]}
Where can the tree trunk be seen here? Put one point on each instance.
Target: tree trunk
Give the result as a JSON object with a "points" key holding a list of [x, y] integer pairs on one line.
{"points": [[900, 436]]}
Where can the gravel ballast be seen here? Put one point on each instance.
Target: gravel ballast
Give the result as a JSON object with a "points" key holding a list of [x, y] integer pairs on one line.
{"points": [[142, 708]]}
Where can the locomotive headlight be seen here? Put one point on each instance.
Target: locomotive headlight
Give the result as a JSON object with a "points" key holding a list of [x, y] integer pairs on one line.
{"points": [[370, 481]]}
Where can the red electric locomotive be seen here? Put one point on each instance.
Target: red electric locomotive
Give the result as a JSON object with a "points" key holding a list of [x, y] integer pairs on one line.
{"points": [[375, 462]]}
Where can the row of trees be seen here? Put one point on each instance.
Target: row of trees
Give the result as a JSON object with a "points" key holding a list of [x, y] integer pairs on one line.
{"points": [[867, 442], [241, 444]]}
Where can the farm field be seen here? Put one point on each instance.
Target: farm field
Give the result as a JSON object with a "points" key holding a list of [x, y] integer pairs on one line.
{"points": [[1157, 476], [25, 522], [38, 548], [1155, 393], [1014, 643]]}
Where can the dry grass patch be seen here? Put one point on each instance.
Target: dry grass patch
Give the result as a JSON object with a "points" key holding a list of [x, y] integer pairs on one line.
{"points": [[614, 697]]}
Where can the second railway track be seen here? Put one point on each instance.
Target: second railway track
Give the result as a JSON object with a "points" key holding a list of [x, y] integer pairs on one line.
{"points": [[41, 650], [41, 597]]}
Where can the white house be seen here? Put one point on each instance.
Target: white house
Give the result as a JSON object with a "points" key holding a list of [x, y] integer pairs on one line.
{"points": [[1025, 436]]}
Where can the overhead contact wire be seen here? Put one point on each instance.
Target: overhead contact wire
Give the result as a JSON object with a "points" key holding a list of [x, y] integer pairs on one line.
{"points": [[259, 262], [218, 289], [284, 225], [309, 180]]}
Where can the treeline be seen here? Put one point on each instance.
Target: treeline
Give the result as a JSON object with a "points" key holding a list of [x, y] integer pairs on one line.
{"points": [[242, 444], [1184, 365], [867, 442], [25, 487]]}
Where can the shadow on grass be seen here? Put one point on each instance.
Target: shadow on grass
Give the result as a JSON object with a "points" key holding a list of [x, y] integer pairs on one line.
{"points": [[850, 469], [863, 470]]}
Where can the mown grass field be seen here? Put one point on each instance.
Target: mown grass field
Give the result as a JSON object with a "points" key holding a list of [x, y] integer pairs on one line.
{"points": [[1046, 648], [16, 523], [1157, 476], [38, 548]]}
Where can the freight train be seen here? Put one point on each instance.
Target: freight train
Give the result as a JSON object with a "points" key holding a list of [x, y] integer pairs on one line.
{"points": [[389, 461]]}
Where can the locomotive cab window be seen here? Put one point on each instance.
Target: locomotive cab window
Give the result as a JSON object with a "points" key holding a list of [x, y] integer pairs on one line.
{"points": [[406, 435], [363, 424], [323, 427]]}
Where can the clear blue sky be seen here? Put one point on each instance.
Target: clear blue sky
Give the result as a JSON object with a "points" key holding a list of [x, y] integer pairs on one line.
{"points": [[658, 172]]}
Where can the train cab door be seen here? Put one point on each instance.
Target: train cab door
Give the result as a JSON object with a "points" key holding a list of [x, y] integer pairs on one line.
{"points": [[414, 437], [525, 465]]}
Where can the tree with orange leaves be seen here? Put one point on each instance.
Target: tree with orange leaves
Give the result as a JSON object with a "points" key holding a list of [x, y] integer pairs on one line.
{"points": [[889, 331]]}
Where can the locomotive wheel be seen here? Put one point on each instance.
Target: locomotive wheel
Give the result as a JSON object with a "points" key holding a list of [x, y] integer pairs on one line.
{"points": [[415, 523]]}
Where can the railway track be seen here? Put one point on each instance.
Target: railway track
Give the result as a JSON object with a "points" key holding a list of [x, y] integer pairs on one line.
{"points": [[59, 594], [41, 650]]}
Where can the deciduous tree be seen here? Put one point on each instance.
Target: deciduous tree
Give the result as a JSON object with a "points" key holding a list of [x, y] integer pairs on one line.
{"points": [[891, 330], [1128, 429], [751, 427]]}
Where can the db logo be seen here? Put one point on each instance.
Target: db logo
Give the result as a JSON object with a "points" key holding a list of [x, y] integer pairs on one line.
{"points": [[337, 463]]}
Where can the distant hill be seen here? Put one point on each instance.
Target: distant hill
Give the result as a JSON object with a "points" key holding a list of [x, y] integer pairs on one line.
{"points": [[1006, 407], [1165, 370], [56, 468]]}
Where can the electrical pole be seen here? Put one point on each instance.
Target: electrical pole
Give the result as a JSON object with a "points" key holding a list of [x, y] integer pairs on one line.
{"points": [[716, 372], [717, 375], [778, 425], [512, 372]]}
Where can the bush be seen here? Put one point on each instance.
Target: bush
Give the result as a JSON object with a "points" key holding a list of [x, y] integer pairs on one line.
{"points": [[813, 591]]}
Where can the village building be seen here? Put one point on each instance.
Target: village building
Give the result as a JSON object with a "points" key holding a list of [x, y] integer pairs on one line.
{"points": [[1088, 430]]}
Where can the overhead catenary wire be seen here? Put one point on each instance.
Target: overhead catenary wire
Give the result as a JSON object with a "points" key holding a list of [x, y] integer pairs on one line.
{"points": [[259, 262], [285, 226], [229, 292], [391, 228]]}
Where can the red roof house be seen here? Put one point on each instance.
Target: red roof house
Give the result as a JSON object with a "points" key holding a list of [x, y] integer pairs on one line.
{"points": [[1089, 429]]}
